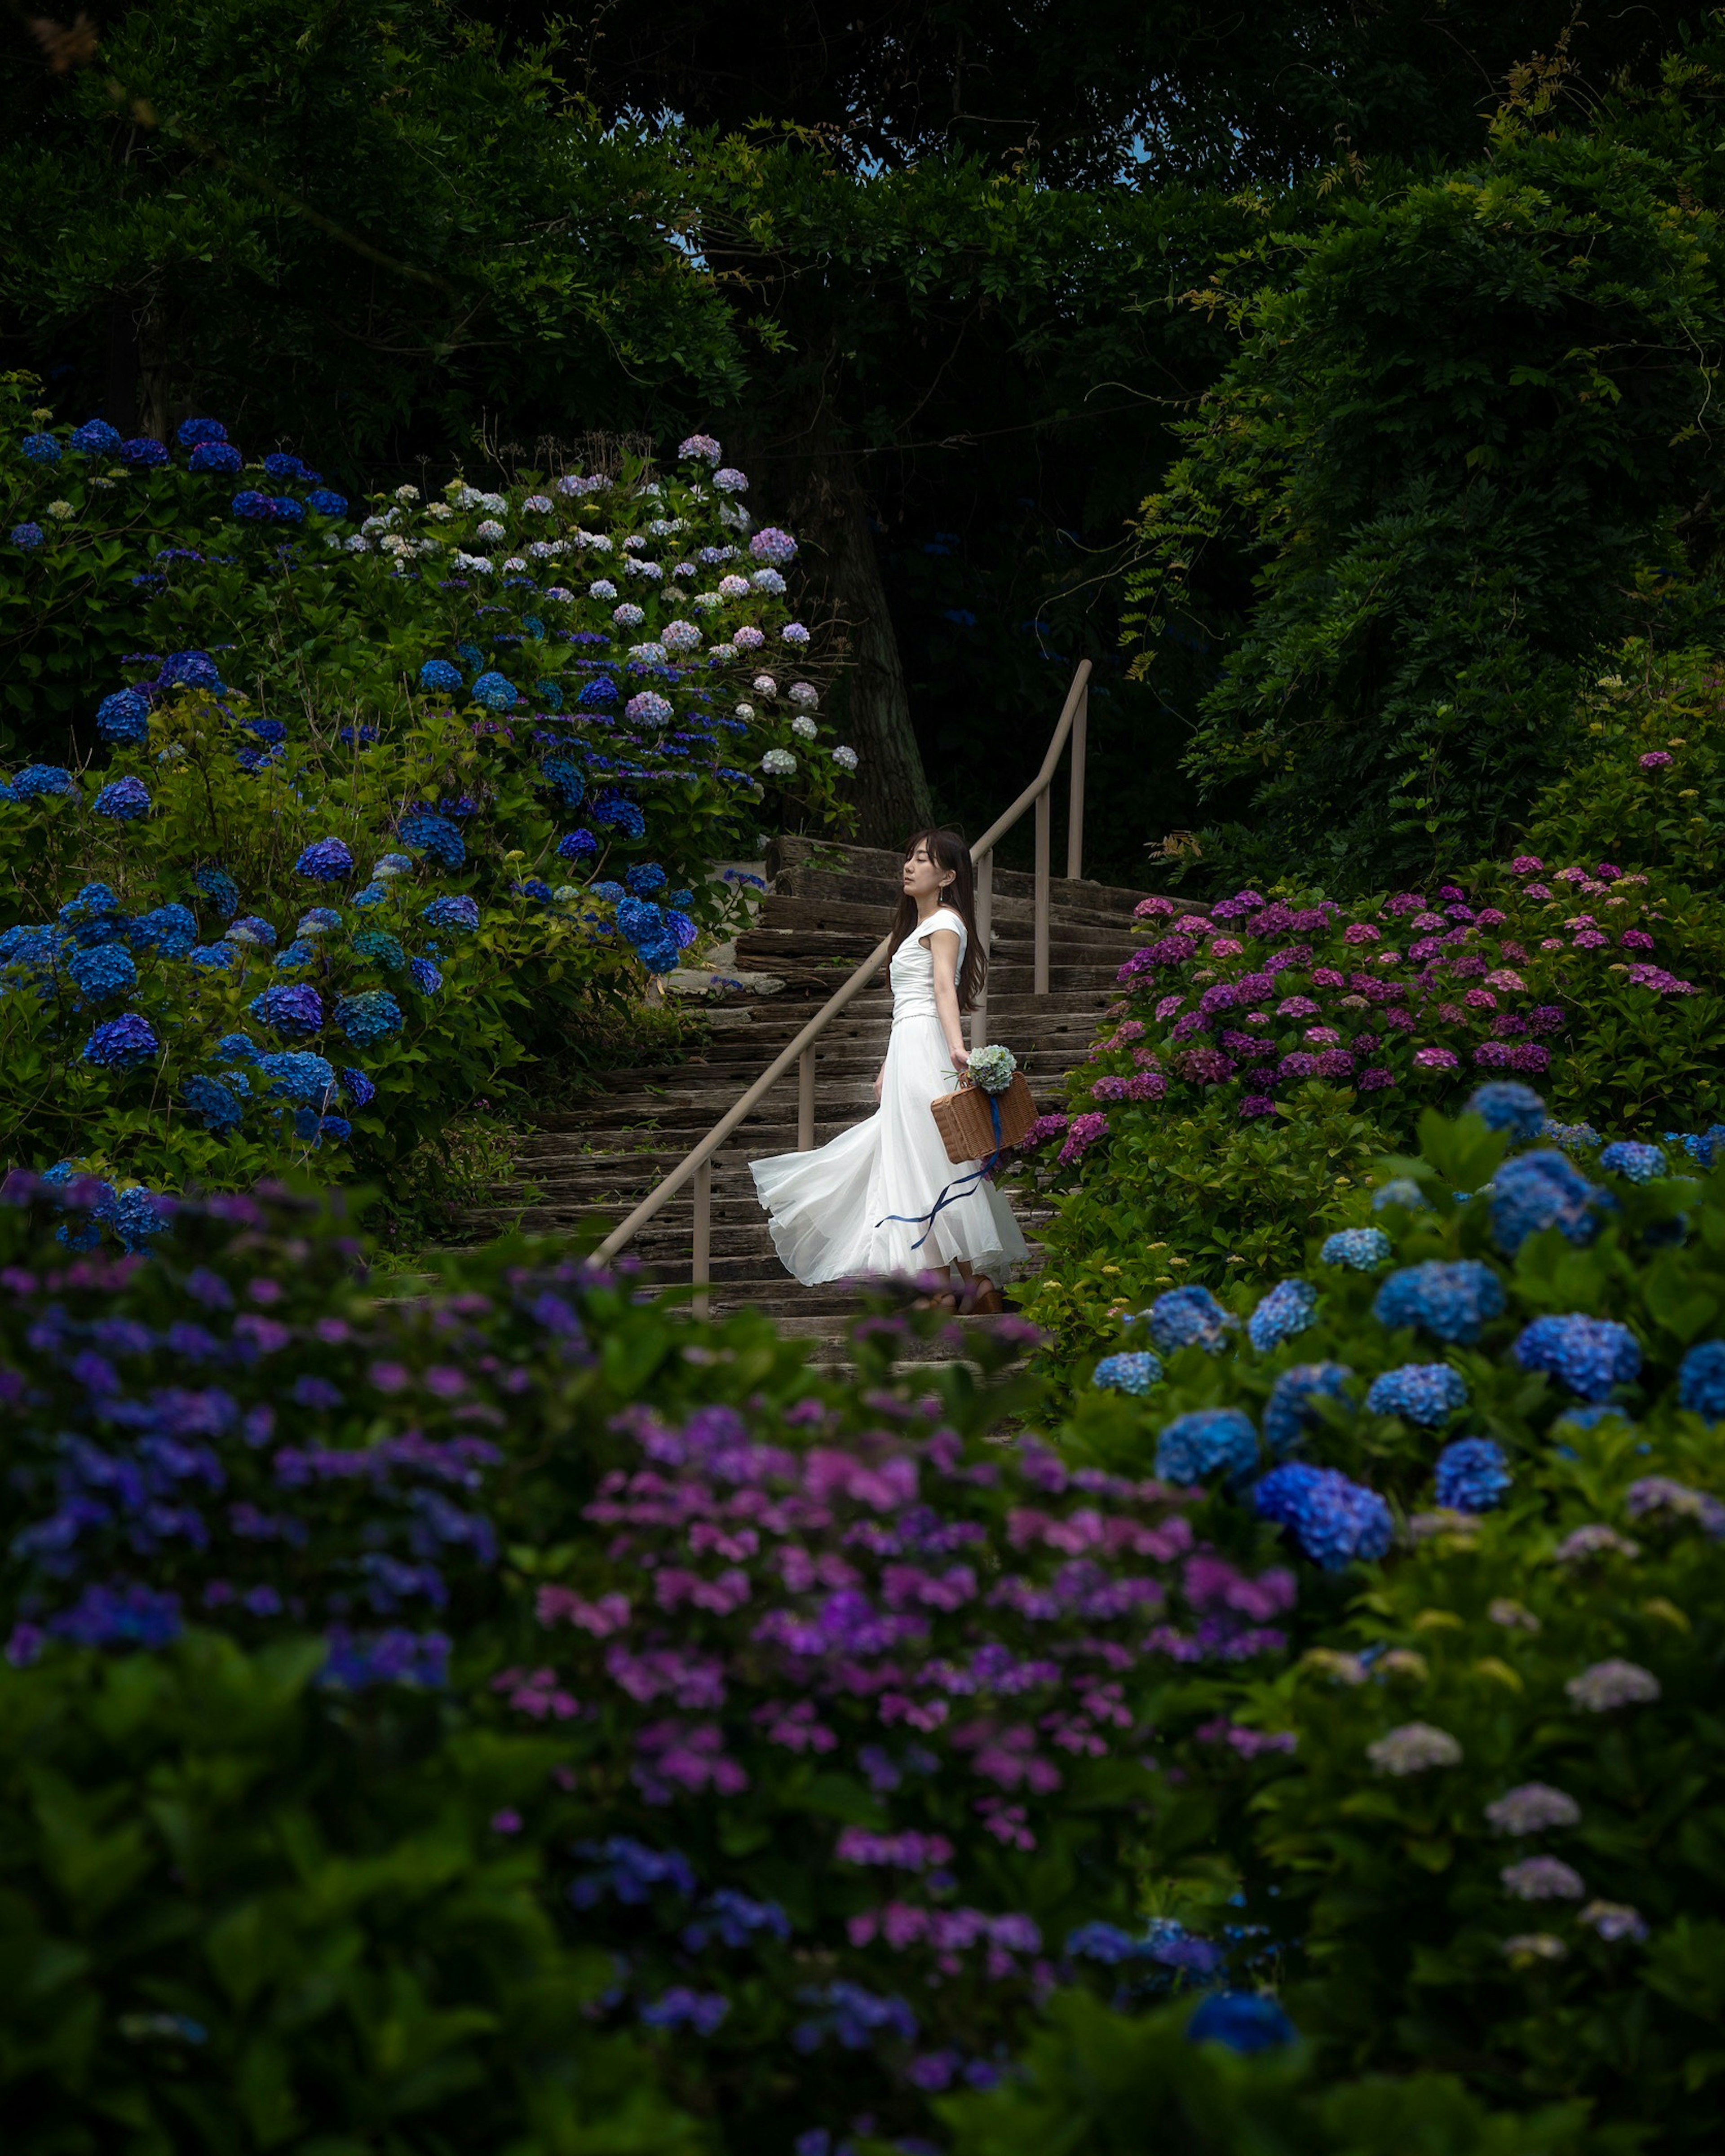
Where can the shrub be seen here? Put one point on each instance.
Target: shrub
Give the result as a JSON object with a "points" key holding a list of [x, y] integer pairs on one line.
{"points": [[1490, 1836]]}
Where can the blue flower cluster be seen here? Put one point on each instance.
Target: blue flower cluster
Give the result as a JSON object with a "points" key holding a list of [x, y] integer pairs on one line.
{"points": [[325, 860], [614, 811], [452, 913], [1508, 1106], [1543, 1190], [1425, 1392], [292, 1011], [125, 800], [495, 692], [297, 1075], [578, 846], [124, 717], [1472, 1475], [1288, 1412], [1451, 1301], [435, 837], [102, 971], [1592, 1355], [382, 948], [1134, 1372], [439, 676], [369, 1017], [123, 1043], [1360, 1249], [1187, 1317], [1289, 1308], [171, 929], [1636, 1163], [220, 1103], [1196, 1445], [1701, 1381], [1334, 1520]]}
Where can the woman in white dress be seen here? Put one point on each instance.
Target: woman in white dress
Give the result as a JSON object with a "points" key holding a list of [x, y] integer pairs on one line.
{"points": [[870, 1204]]}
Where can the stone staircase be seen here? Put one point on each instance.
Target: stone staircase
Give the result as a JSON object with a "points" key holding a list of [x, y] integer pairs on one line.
{"points": [[824, 909]]}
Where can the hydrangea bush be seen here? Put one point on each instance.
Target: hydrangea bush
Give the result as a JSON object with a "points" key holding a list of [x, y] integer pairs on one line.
{"points": [[1490, 1430], [1269, 1047], [490, 804]]}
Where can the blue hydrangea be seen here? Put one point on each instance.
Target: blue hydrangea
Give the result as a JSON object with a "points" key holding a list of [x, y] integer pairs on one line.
{"points": [[358, 1088], [1196, 1445], [1543, 1190], [297, 1075], [1472, 1475], [548, 696], [1360, 1249], [236, 1048], [41, 449], [219, 888], [190, 432], [218, 1106], [614, 894], [1591, 1355], [661, 956], [170, 930], [290, 1011], [1399, 1190], [495, 692], [1449, 1301], [426, 976], [292, 956], [325, 860], [93, 902], [251, 506], [600, 692], [1702, 1148], [439, 675], [336, 1128], [283, 464], [1288, 1413], [326, 502], [1334, 1520], [366, 1018], [680, 928], [1639, 1163], [1187, 1317], [27, 538], [39, 779], [191, 670], [1245, 2021], [125, 800], [123, 1043], [390, 865], [95, 438], [1134, 1372], [1701, 1380], [451, 913], [434, 836], [1424, 1393], [644, 878], [124, 717], [615, 812], [640, 920], [216, 457], [105, 970], [143, 455], [567, 777], [1289, 1308], [372, 894], [1508, 1106], [318, 920], [381, 948]]}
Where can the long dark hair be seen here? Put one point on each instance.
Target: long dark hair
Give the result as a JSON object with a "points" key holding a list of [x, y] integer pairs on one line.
{"points": [[947, 850]]}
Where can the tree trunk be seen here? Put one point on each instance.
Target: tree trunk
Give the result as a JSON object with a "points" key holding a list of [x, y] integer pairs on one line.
{"points": [[818, 491]]}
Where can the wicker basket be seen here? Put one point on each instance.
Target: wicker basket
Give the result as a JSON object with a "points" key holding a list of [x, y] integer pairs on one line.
{"points": [[966, 1127]]}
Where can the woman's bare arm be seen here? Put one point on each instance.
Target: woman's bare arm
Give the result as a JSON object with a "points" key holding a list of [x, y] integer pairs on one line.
{"points": [[943, 948]]}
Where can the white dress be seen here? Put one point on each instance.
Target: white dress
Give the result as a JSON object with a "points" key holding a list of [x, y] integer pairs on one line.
{"points": [[832, 1210]]}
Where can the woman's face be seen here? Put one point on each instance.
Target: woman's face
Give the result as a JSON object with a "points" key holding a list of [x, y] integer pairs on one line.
{"points": [[924, 877]]}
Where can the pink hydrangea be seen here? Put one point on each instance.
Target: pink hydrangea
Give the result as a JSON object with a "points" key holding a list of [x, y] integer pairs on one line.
{"points": [[1480, 999], [1362, 931], [1437, 1059], [1538, 891], [1636, 939], [1489, 917], [1223, 947], [1168, 1007], [1327, 977], [1322, 1036], [1084, 1132], [1153, 909], [1297, 1006], [1505, 979], [1656, 759], [1526, 864]]}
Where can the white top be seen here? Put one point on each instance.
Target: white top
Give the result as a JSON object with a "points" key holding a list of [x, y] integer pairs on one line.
{"points": [[911, 972]]}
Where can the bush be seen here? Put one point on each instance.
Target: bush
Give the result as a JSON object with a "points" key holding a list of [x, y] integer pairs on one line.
{"points": [[1263, 1056], [434, 822], [1484, 1844]]}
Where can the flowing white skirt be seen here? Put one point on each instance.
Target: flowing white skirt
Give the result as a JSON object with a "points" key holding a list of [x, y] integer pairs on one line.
{"points": [[832, 1210]]}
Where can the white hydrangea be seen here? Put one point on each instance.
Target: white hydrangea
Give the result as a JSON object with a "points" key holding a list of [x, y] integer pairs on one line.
{"points": [[491, 529], [397, 544], [465, 496], [662, 527], [651, 570], [779, 764], [407, 493], [600, 542], [635, 544], [540, 550], [646, 654], [804, 693], [685, 569], [705, 601], [767, 580], [61, 511], [628, 616], [514, 566], [474, 565], [745, 711], [494, 503], [846, 758], [806, 728], [601, 588], [440, 510], [724, 653], [765, 685], [1413, 1749], [682, 636], [733, 588], [357, 543], [540, 503]]}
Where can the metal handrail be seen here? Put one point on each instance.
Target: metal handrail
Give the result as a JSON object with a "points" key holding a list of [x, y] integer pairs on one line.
{"points": [[697, 1161]]}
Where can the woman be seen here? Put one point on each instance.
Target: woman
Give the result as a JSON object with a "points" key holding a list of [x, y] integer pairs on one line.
{"points": [[870, 1203]]}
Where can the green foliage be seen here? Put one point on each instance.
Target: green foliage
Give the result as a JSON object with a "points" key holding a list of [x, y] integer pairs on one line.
{"points": [[1461, 425], [237, 1918]]}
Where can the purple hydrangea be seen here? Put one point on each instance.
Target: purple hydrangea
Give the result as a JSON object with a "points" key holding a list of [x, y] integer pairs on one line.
{"points": [[190, 433], [1288, 1413], [1334, 1520], [1451, 1301], [1424, 1393], [293, 1011], [325, 860], [1196, 1445], [578, 846], [143, 455], [1592, 1355], [1289, 1308], [123, 1043], [1472, 1475]]}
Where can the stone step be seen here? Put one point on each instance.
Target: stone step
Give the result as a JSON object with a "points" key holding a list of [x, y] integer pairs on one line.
{"points": [[833, 864], [796, 912]]}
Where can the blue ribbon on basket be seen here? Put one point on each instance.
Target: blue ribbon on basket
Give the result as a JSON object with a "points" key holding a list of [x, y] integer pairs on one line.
{"points": [[954, 1191]]}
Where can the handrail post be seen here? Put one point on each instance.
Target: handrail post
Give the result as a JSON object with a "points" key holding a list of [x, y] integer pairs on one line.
{"points": [[805, 1100], [1075, 819], [701, 1253], [1043, 820], [984, 935]]}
